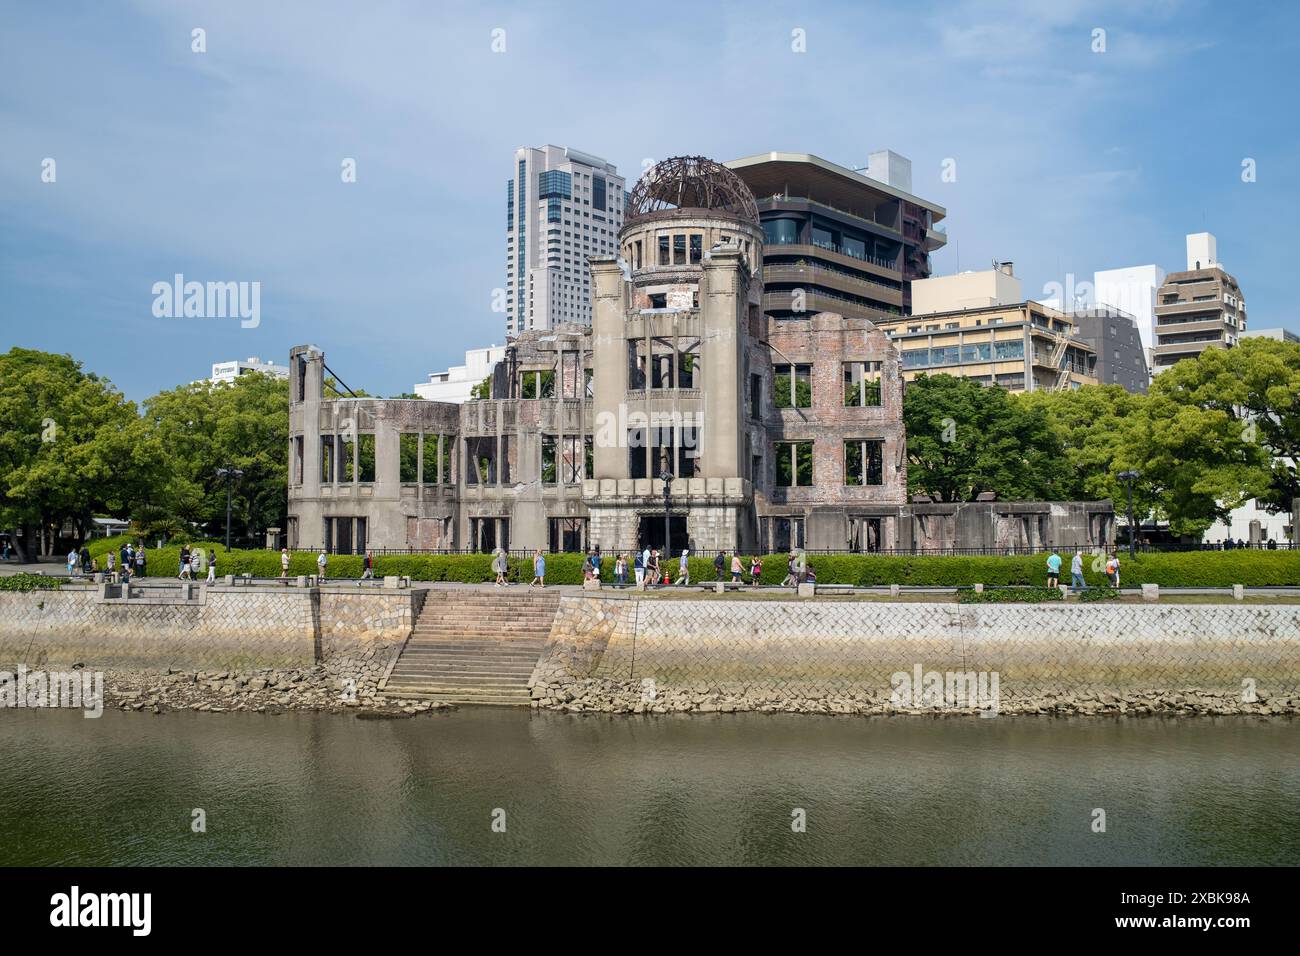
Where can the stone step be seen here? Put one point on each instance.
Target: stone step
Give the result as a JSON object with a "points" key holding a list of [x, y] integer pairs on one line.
{"points": [[464, 670]]}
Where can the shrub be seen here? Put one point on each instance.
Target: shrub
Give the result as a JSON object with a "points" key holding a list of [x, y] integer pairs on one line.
{"points": [[29, 582], [1099, 594], [1010, 596]]}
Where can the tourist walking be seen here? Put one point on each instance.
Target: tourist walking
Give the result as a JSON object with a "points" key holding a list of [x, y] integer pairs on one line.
{"points": [[719, 566], [653, 573], [321, 561], [212, 566], [367, 568], [791, 572], [638, 569], [620, 570], [108, 561], [284, 564], [139, 561], [1076, 572], [683, 568], [539, 570], [83, 558], [755, 571], [72, 562], [499, 567], [1053, 570], [184, 570], [1112, 570], [737, 568], [595, 562]]}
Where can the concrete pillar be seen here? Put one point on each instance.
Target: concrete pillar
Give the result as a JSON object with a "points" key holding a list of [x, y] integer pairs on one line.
{"points": [[722, 314], [1150, 592], [1238, 591], [609, 354]]}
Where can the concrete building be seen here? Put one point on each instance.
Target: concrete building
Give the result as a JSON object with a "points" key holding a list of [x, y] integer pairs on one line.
{"points": [[1277, 335], [1132, 289], [839, 241], [457, 383], [1115, 339], [1197, 309], [976, 325], [229, 371], [562, 207], [683, 416]]}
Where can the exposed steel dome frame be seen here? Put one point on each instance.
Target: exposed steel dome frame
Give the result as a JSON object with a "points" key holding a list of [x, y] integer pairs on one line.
{"points": [[691, 182]]}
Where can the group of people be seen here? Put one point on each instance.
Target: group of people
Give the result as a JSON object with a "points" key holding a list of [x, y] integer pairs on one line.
{"points": [[129, 560], [193, 561], [1077, 582], [646, 568]]}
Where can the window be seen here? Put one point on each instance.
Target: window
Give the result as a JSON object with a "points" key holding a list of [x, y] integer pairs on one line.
{"points": [[864, 461], [794, 464], [359, 458], [862, 384], [679, 250], [792, 386], [697, 247], [408, 468], [430, 460], [1009, 350], [755, 396], [663, 251]]}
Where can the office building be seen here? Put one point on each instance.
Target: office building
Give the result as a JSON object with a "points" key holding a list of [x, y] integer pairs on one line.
{"points": [[977, 325], [562, 207], [837, 240], [229, 371], [1115, 339]]}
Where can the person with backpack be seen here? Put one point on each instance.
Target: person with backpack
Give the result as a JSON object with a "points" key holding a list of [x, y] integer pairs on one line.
{"points": [[1112, 570], [683, 568], [719, 566]]}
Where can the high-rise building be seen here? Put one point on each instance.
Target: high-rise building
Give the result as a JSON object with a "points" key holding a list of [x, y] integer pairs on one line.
{"points": [[837, 240], [1133, 290], [1198, 309], [562, 207]]}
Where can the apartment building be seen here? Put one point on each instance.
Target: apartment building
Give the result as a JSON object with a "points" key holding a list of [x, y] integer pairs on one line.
{"points": [[563, 206], [457, 383], [1115, 336], [975, 325], [838, 240], [1197, 309]]}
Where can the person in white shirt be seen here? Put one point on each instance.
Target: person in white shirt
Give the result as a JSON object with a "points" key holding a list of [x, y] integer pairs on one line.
{"points": [[320, 565]]}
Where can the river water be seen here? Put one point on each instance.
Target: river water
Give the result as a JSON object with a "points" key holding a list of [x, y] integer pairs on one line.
{"points": [[331, 789]]}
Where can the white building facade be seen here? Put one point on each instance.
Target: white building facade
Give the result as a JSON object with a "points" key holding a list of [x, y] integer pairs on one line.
{"points": [[229, 371], [457, 383], [1132, 290], [562, 207]]}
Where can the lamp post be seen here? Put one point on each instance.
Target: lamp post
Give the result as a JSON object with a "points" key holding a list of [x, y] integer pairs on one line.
{"points": [[231, 475], [1128, 477], [667, 478]]}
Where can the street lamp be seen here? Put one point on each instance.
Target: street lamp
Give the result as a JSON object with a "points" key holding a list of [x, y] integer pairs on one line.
{"points": [[1128, 477], [667, 479], [231, 475]]}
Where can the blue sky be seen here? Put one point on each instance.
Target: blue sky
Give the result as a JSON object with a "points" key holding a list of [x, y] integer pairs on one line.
{"points": [[225, 165]]}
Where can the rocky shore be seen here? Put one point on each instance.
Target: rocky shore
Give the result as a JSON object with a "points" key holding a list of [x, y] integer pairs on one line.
{"points": [[347, 684], [596, 695]]}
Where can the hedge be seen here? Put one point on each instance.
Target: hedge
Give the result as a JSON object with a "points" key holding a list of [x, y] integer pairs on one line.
{"points": [[28, 582], [1168, 569], [1011, 596]]}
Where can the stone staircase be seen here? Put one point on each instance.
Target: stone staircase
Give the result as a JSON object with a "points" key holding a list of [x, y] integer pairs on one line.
{"points": [[474, 646]]}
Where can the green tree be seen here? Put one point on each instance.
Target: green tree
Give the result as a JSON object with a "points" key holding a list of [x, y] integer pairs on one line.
{"points": [[964, 439], [64, 444]]}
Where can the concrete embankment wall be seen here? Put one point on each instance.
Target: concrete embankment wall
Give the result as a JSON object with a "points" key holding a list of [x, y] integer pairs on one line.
{"points": [[811, 648], [221, 627]]}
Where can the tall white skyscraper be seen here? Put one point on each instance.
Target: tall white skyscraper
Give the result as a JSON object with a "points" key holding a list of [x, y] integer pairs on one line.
{"points": [[562, 206]]}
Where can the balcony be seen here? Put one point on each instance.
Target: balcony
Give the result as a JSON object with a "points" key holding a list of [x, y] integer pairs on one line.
{"points": [[818, 275], [814, 302], [1186, 306], [1189, 326], [880, 267]]}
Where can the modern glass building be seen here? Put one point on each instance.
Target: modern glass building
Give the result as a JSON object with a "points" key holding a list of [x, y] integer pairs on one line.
{"points": [[562, 206], [837, 240]]}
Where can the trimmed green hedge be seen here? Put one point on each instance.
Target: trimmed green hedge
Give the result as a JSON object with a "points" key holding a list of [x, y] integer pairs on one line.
{"points": [[1010, 596], [1172, 569], [28, 582]]}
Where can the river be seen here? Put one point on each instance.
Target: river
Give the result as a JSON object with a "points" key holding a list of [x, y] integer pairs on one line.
{"points": [[329, 789]]}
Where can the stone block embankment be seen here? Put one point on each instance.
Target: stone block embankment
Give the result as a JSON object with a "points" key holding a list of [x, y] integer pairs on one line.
{"points": [[842, 656]]}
